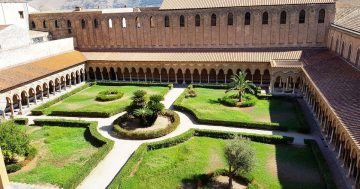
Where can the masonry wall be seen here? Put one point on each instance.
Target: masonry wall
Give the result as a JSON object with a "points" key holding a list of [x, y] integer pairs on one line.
{"points": [[139, 33]]}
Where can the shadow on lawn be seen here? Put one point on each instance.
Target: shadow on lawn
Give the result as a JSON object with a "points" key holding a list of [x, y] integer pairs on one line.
{"points": [[282, 110]]}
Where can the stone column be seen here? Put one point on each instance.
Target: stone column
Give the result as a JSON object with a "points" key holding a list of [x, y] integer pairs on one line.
{"points": [[176, 78], [216, 78], [261, 78], [160, 78], [145, 77], [83, 76], [95, 76], [20, 107], [48, 94], [28, 101], [116, 77], [102, 76], [4, 179], [192, 79], [184, 79], [123, 77], [42, 95], [12, 109], [35, 98], [225, 79]]}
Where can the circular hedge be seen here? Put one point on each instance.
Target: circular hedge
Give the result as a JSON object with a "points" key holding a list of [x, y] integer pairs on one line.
{"points": [[109, 95], [150, 134]]}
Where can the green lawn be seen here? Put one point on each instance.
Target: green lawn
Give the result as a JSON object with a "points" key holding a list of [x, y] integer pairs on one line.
{"points": [[276, 166], [206, 107], [84, 101], [62, 152]]}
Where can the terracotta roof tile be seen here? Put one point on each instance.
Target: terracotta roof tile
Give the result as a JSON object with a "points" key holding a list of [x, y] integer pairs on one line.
{"points": [[24, 73]]}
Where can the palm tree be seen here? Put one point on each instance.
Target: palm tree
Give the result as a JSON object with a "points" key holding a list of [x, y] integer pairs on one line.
{"points": [[143, 114], [240, 84]]}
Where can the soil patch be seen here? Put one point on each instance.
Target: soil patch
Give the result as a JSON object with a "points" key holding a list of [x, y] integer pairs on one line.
{"points": [[134, 124], [221, 182], [136, 168], [215, 162]]}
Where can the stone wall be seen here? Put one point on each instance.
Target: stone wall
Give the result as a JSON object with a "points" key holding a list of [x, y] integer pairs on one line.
{"points": [[147, 29]]}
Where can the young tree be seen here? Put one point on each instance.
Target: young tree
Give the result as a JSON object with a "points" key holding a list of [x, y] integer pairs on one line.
{"points": [[240, 84], [143, 114], [240, 157], [155, 104], [139, 101]]}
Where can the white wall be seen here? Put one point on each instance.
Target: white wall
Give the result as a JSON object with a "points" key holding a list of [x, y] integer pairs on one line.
{"points": [[13, 37], [36, 51], [9, 14]]}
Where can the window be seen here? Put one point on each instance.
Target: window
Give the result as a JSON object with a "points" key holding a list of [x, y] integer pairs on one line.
{"points": [[123, 22], [283, 17], [349, 53], [110, 23], [265, 18], [342, 49], [96, 23], [21, 13], [137, 21], [69, 31], [44, 24], [69, 24], [182, 21], [83, 23], [33, 25], [357, 61], [213, 20], [302, 17], [230, 19], [247, 18], [321, 16], [197, 20], [56, 24], [152, 22], [167, 21]]}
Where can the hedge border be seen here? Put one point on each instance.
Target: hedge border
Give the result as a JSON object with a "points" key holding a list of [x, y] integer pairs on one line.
{"points": [[21, 121], [104, 146], [256, 125], [109, 95], [143, 135], [144, 148], [322, 164], [40, 110]]}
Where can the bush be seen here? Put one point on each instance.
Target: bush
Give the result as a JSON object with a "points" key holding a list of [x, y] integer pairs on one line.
{"points": [[40, 109], [109, 95], [141, 84], [21, 121], [190, 93], [323, 165], [13, 141], [249, 100], [104, 146], [31, 153], [156, 98], [228, 101], [142, 135], [12, 168]]}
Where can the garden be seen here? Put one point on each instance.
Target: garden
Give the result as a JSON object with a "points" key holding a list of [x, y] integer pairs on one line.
{"points": [[200, 159], [60, 149], [97, 100]]}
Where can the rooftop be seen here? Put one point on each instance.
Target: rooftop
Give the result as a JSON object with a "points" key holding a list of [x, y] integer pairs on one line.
{"points": [[348, 18], [104, 11], [22, 74], [201, 4]]}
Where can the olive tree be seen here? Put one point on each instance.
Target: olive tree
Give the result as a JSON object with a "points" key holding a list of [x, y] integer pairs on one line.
{"points": [[240, 157]]}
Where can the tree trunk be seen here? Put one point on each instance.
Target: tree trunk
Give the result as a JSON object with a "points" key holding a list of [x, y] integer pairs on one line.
{"points": [[230, 181]]}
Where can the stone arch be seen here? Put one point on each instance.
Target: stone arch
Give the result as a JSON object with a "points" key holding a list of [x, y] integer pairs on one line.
{"points": [[337, 46], [247, 19], [110, 23], [119, 74], [57, 84], [182, 21], [257, 77], [302, 17], [152, 22], [112, 74], [213, 20], [62, 82], [32, 95], [229, 75], [98, 73], [278, 82], [45, 87], [266, 77], [248, 74], [16, 101], [204, 76], [187, 76], [180, 76], [137, 22], [197, 21], [230, 19], [141, 74], [126, 74], [148, 74], [105, 74], [212, 76], [166, 21], [52, 86], [265, 18], [91, 74], [68, 79], [133, 75], [39, 92], [171, 75], [123, 22], [156, 75], [164, 75], [24, 98], [221, 76], [196, 76]]}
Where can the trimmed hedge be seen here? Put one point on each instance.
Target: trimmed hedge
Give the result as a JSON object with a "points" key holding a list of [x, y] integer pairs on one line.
{"points": [[21, 121], [142, 135], [323, 165], [109, 95], [13, 167], [144, 148], [210, 86], [93, 136], [141, 84], [40, 109]]}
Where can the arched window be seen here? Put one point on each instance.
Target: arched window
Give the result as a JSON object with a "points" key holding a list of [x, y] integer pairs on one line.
{"points": [[283, 17], [302, 17], [56, 24], [182, 21], [123, 22], [83, 24], [152, 22], [336, 46], [197, 20], [69, 24], [96, 23], [247, 18], [230, 19], [349, 53], [167, 21], [44, 24], [265, 18], [33, 25], [110, 23], [213, 20], [321, 16], [357, 61], [137, 21], [342, 49]]}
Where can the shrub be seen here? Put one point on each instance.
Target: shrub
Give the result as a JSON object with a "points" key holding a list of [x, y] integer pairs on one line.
{"points": [[228, 101], [156, 98], [142, 135], [13, 141], [249, 100], [141, 84], [12, 168], [31, 153], [21, 121], [191, 93], [109, 95], [104, 146]]}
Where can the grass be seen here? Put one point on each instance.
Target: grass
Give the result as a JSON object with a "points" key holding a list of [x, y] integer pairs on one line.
{"points": [[84, 101], [207, 107], [170, 167], [63, 151]]}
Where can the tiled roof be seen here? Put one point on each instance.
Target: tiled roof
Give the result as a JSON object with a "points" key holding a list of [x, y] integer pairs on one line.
{"points": [[24, 73], [286, 64], [348, 18], [262, 55], [339, 82], [200, 4]]}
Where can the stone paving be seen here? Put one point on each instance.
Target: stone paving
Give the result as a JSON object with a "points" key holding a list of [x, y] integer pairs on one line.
{"points": [[101, 176]]}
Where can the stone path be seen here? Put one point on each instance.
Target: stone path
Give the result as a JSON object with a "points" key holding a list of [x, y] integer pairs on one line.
{"points": [[101, 176]]}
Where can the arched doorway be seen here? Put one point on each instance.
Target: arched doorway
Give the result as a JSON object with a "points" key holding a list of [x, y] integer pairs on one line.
{"points": [[171, 75], [204, 76], [164, 75], [187, 76], [180, 77], [156, 75], [212, 76], [133, 75], [126, 74], [112, 74], [221, 76], [141, 75], [91, 74], [196, 76]]}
